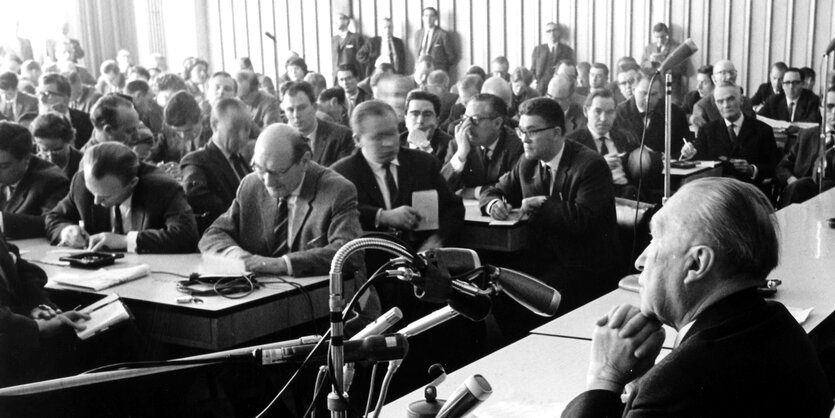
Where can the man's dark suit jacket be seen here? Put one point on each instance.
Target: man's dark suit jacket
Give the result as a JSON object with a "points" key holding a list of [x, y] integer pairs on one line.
{"points": [[764, 91], [624, 142], [83, 127], [23, 103], [368, 54], [73, 162], [807, 108], [159, 211], [755, 143], [706, 110], [441, 48], [743, 357], [209, 182], [543, 68], [333, 141], [39, 190], [417, 171], [631, 120], [801, 158], [439, 142], [505, 155], [344, 51], [690, 99], [574, 241]]}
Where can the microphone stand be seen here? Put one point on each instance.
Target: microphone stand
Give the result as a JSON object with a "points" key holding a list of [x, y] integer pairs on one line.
{"points": [[668, 137], [822, 145]]}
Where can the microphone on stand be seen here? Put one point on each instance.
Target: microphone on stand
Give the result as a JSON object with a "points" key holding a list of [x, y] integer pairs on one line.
{"points": [[270, 35], [384, 322], [830, 47], [373, 348], [684, 51], [466, 397]]}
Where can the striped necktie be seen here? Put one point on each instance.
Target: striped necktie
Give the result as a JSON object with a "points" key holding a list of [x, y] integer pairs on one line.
{"points": [[280, 230]]}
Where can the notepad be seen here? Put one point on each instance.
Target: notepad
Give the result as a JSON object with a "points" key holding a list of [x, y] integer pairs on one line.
{"points": [[104, 314], [513, 217], [426, 203], [102, 278]]}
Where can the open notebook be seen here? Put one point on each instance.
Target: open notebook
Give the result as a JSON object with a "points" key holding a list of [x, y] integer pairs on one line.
{"points": [[104, 313]]}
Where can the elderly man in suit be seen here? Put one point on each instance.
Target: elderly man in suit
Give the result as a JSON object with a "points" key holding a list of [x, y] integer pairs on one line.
{"points": [[345, 44], [546, 56], [705, 109], [118, 203], [713, 243], [29, 186], [386, 49], [14, 103], [328, 141], [794, 103], [433, 41]]}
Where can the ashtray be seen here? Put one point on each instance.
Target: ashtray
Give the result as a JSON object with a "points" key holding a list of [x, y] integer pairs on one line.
{"points": [[682, 164], [92, 260]]}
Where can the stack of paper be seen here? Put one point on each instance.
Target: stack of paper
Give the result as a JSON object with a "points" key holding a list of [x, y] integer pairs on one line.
{"points": [[104, 313], [102, 278]]}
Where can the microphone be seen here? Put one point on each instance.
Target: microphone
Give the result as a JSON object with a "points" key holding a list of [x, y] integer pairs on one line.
{"points": [[684, 51], [830, 47], [269, 35], [529, 292], [429, 321], [436, 285], [466, 397], [384, 322], [373, 348]]}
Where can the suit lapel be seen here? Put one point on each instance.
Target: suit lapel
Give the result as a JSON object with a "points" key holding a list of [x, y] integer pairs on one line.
{"points": [[562, 171], [302, 206], [366, 177], [322, 133], [230, 178]]}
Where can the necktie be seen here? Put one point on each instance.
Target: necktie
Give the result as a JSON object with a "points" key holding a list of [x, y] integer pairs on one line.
{"points": [[485, 156], [791, 112], [118, 228], [238, 165], [393, 55], [546, 178], [390, 184], [732, 133], [425, 48], [5, 192], [280, 230], [604, 150]]}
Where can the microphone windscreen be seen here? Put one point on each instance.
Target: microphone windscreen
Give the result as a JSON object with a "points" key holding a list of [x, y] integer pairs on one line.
{"points": [[830, 47], [529, 292], [684, 51]]}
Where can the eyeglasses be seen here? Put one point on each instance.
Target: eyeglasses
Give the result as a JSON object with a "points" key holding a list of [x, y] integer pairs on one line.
{"points": [[50, 95], [791, 82], [521, 133], [476, 120], [261, 170]]}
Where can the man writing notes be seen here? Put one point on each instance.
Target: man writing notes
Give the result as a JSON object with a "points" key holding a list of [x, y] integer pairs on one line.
{"points": [[735, 354]]}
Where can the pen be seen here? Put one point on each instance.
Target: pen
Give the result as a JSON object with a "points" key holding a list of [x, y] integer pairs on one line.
{"points": [[504, 200]]}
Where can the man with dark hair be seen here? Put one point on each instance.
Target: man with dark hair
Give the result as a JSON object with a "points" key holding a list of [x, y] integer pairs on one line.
{"points": [[794, 103], [29, 186], [347, 78], [809, 76], [118, 203], [345, 44], [658, 50], [14, 103], [385, 49], [434, 41], [183, 131], [166, 85], [114, 118], [772, 87], [546, 56], [54, 138], [704, 88], [713, 243], [483, 148], [520, 83], [262, 107], [110, 79], [628, 75], [328, 141], [53, 94], [647, 99], [83, 96], [150, 113], [265, 82], [567, 192], [422, 125], [598, 76], [331, 106]]}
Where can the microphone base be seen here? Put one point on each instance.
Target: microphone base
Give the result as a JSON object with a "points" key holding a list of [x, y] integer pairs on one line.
{"points": [[424, 409]]}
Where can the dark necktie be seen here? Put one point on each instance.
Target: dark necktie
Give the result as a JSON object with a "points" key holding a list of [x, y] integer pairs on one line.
{"points": [[546, 178], [732, 133], [791, 111], [5, 193], [393, 55], [604, 150], [118, 228], [280, 230], [238, 164], [485, 156], [390, 184]]}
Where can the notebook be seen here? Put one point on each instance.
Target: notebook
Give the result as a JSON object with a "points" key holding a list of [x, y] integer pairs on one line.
{"points": [[104, 313], [102, 278]]}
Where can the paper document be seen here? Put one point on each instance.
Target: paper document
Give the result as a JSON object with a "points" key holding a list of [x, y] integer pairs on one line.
{"points": [[104, 313], [513, 218], [102, 278], [426, 203]]}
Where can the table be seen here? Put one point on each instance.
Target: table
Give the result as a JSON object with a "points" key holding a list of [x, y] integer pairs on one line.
{"points": [[215, 324], [478, 234], [681, 176]]}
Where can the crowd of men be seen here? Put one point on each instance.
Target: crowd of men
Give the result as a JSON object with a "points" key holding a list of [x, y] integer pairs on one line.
{"points": [[147, 161]]}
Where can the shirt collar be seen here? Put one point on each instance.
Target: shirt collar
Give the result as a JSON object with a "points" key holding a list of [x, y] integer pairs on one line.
{"points": [[597, 137], [126, 204], [682, 333], [737, 123], [555, 162], [379, 167], [492, 146]]}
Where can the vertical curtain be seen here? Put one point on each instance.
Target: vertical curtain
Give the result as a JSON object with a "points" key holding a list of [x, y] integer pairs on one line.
{"points": [[105, 27]]}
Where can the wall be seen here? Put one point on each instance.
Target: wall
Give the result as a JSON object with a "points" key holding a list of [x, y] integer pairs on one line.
{"points": [[752, 33]]}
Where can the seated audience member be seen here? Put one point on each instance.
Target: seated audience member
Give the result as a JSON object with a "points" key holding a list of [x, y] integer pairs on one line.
{"points": [[772, 87], [290, 215], [745, 145], [123, 205], [483, 149], [468, 87], [150, 113], [583, 83], [598, 77], [54, 93], [566, 190], [561, 90], [437, 83], [317, 81], [520, 82], [295, 70], [705, 109], [704, 88], [379, 71], [795, 103], [82, 96], [714, 242], [29, 186], [265, 83], [628, 75], [123, 59], [331, 106], [347, 78], [423, 66], [30, 73], [114, 119], [569, 69], [498, 87], [632, 114], [165, 87], [262, 107], [477, 70], [386, 175], [195, 74], [328, 141], [392, 89], [183, 131], [138, 72], [110, 80], [221, 85], [809, 76], [142, 143], [15, 103], [499, 67], [54, 137], [211, 174], [614, 145], [422, 131], [799, 171]]}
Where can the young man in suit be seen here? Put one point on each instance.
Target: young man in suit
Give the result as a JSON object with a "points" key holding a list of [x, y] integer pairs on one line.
{"points": [[422, 131], [794, 103], [566, 190], [546, 56], [714, 242], [328, 141], [29, 186], [53, 94], [386, 49], [14, 103], [211, 175], [117, 203], [347, 77], [345, 45], [433, 41], [53, 137]]}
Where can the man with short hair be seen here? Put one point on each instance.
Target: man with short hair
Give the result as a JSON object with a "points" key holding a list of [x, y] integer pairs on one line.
{"points": [[221, 86], [29, 186], [166, 85], [546, 56], [658, 51], [265, 82], [431, 40], [14, 103], [331, 106], [704, 88], [705, 109], [347, 78], [118, 203], [345, 44], [628, 75], [632, 117], [328, 141], [773, 86], [713, 243], [53, 94], [82, 96], [794, 103], [598, 76], [385, 49], [150, 113], [183, 131], [422, 131], [262, 107], [561, 90], [53, 139], [317, 81], [114, 119]]}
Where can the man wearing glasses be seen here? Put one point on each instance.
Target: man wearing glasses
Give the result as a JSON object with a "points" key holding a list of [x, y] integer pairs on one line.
{"points": [[567, 192], [53, 94], [705, 109], [794, 103], [483, 148]]}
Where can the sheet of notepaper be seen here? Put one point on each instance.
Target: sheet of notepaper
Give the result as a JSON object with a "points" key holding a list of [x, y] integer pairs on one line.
{"points": [[426, 203]]}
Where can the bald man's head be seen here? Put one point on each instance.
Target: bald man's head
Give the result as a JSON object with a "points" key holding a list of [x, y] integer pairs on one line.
{"points": [[724, 72], [280, 159], [561, 88]]}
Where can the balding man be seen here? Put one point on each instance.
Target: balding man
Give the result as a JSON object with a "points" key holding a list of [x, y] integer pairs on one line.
{"points": [[561, 90], [546, 56], [705, 109], [290, 215], [114, 119], [735, 354]]}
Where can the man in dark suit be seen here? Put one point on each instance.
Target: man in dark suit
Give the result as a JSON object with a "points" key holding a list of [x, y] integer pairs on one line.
{"points": [[328, 141], [772, 87], [29, 186], [386, 49], [422, 131], [795, 103], [126, 205], [546, 56], [114, 119], [433, 41], [745, 145], [799, 170], [347, 77], [658, 50], [632, 113], [211, 175], [54, 137], [54, 93], [705, 110], [561, 89], [262, 106], [567, 192], [713, 243], [345, 44], [14, 103], [483, 149]]}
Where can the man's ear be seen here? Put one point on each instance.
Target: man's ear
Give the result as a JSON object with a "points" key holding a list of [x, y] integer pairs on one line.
{"points": [[702, 259]]}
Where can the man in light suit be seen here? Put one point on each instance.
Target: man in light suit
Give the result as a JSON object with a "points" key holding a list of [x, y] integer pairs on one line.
{"points": [[14, 103], [546, 56], [117, 203], [386, 49], [291, 215], [345, 45], [794, 103], [433, 41], [328, 141], [714, 242]]}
